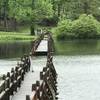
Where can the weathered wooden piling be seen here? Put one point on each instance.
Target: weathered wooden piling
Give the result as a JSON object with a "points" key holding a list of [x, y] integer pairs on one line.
{"points": [[46, 88], [43, 89], [12, 81]]}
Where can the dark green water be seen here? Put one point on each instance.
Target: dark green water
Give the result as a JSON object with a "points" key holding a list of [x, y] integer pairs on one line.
{"points": [[78, 66], [14, 49], [77, 63], [77, 47], [72, 47]]}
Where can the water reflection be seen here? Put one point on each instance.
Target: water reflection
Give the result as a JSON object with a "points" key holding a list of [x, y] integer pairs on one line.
{"points": [[77, 47], [14, 49], [78, 78]]}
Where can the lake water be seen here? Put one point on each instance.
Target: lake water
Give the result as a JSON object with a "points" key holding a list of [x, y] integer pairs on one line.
{"points": [[78, 77], [77, 47], [77, 63], [14, 49]]}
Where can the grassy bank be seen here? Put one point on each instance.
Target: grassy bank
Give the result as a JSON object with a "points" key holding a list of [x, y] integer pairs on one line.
{"points": [[11, 36]]}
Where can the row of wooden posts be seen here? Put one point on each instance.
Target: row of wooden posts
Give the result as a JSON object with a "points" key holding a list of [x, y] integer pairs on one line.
{"points": [[13, 79], [36, 43], [46, 87]]}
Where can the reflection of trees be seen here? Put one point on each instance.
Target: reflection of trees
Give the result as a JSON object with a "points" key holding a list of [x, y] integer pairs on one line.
{"points": [[16, 49], [77, 47], [85, 43]]}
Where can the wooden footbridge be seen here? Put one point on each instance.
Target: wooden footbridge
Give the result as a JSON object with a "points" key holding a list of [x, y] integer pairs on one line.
{"points": [[23, 84]]}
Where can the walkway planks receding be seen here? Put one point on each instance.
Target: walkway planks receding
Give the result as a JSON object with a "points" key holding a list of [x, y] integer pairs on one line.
{"points": [[26, 86], [30, 78], [19, 82], [42, 48]]}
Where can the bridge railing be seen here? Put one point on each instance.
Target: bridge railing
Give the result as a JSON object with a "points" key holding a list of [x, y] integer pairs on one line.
{"points": [[36, 43], [12, 80], [46, 88]]}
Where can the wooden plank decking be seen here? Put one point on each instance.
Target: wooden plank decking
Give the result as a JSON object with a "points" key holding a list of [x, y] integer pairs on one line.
{"points": [[30, 78], [19, 81], [42, 48]]}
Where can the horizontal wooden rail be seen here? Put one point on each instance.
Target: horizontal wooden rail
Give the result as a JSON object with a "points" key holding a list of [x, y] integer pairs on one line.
{"points": [[36, 43], [46, 88], [12, 81]]}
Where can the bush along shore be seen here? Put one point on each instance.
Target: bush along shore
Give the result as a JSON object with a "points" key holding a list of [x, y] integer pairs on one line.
{"points": [[85, 27]]}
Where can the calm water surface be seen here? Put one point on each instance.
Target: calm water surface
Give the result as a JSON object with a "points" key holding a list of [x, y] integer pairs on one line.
{"points": [[77, 63], [77, 47], [78, 77], [78, 66], [10, 53]]}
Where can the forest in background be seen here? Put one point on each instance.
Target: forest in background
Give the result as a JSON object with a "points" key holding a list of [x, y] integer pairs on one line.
{"points": [[16, 13]]}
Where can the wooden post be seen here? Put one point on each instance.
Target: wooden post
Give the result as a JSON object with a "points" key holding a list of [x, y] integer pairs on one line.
{"points": [[8, 82], [4, 77], [38, 83], [28, 97], [41, 75], [12, 81], [33, 87]]}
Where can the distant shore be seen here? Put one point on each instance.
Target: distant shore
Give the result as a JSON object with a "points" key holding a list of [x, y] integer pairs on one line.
{"points": [[11, 36]]}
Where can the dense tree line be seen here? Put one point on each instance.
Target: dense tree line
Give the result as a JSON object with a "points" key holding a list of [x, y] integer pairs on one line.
{"points": [[73, 8], [14, 11], [33, 11]]}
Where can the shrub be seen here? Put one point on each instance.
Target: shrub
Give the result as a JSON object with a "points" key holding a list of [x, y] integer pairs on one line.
{"points": [[64, 28], [84, 27]]}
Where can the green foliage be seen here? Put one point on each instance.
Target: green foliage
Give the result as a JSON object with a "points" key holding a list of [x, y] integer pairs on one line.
{"points": [[37, 11], [20, 9], [84, 27], [64, 29], [26, 10], [43, 9]]}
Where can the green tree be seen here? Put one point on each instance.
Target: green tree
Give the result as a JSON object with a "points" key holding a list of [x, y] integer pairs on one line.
{"points": [[42, 9]]}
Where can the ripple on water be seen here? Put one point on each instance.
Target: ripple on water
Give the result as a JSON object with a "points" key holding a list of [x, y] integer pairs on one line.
{"points": [[78, 77]]}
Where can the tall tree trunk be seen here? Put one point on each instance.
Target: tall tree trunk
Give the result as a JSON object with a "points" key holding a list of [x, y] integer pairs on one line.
{"points": [[14, 16], [32, 20], [59, 9], [15, 24], [54, 6], [5, 14], [86, 7]]}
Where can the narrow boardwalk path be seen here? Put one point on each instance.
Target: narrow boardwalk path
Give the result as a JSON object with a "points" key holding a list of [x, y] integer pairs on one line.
{"points": [[43, 47], [25, 89], [30, 78]]}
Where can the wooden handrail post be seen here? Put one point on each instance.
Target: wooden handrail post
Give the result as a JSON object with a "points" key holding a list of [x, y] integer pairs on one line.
{"points": [[8, 80], [4, 78], [41, 75], [34, 87], [38, 83], [28, 97]]}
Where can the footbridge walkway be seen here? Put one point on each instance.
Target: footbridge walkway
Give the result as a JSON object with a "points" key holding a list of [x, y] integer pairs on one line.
{"points": [[24, 83]]}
